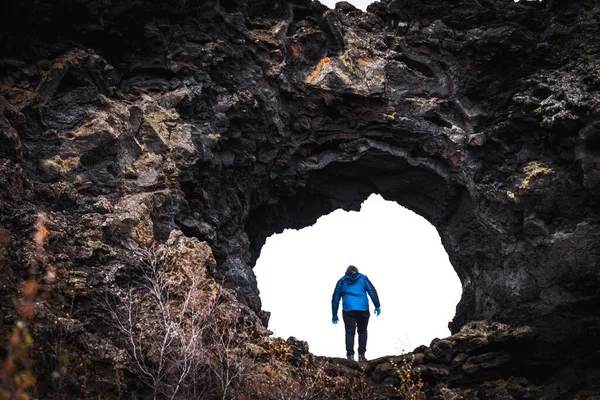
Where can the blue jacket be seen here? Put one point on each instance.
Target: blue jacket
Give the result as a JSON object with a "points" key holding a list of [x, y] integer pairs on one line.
{"points": [[353, 292]]}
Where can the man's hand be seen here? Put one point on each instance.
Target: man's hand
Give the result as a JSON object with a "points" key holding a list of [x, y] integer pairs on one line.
{"points": [[335, 319], [377, 310]]}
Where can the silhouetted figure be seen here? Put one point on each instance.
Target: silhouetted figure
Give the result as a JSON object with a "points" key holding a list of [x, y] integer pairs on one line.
{"points": [[352, 288]]}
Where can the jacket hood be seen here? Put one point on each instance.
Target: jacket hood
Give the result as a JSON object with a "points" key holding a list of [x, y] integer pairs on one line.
{"points": [[352, 281]]}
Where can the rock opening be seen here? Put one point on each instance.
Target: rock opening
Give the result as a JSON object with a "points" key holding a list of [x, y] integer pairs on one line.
{"points": [[400, 252]]}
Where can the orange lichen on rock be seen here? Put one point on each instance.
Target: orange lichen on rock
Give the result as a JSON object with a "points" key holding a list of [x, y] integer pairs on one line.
{"points": [[318, 69], [364, 60], [295, 49]]}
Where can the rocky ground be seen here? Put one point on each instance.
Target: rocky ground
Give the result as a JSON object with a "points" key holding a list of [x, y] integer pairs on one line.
{"points": [[198, 129]]}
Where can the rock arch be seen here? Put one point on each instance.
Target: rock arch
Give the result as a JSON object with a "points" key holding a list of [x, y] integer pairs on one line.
{"points": [[467, 134], [345, 181]]}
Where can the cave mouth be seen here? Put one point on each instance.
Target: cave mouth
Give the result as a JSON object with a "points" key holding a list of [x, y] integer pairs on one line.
{"points": [[345, 178], [400, 252]]}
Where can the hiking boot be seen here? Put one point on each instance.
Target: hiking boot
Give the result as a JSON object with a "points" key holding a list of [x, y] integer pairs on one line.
{"points": [[361, 357], [351, 358]]}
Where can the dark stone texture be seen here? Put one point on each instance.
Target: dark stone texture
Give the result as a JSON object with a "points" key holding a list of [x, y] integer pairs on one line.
{"points": [[234, 120]]}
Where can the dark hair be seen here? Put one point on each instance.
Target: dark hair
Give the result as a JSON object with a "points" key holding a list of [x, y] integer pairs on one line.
{"points": [[352, 268]]}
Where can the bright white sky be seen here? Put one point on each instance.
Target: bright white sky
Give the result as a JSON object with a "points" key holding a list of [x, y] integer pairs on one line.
{"points": [[398, 250], [362, 4]]}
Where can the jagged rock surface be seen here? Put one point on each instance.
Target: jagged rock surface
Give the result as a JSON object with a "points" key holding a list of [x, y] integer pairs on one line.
{"points": [[232, 120]]}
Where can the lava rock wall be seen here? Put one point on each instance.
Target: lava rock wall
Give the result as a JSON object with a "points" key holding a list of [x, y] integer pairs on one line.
{"points": [[121, 123]]}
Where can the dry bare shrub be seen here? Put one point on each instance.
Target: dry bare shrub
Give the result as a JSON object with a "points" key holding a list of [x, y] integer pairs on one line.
{"points": [[16, 370], [56, 332], [283, 375], [228, 360], [182, 332], [411, 385], [17, 375]]}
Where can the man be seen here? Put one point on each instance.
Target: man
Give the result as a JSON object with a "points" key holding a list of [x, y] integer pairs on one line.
{"points": [[352, 288]]}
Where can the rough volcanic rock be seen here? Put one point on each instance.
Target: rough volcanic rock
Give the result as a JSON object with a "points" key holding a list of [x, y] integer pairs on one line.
{"points": [[122, 122], [481, 358]]}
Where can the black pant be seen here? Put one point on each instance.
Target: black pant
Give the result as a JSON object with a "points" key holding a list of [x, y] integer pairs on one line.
{"points": [[352, 320]]}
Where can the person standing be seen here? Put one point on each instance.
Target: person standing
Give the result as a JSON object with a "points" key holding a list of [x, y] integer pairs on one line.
{"points": [[352, 289]]}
